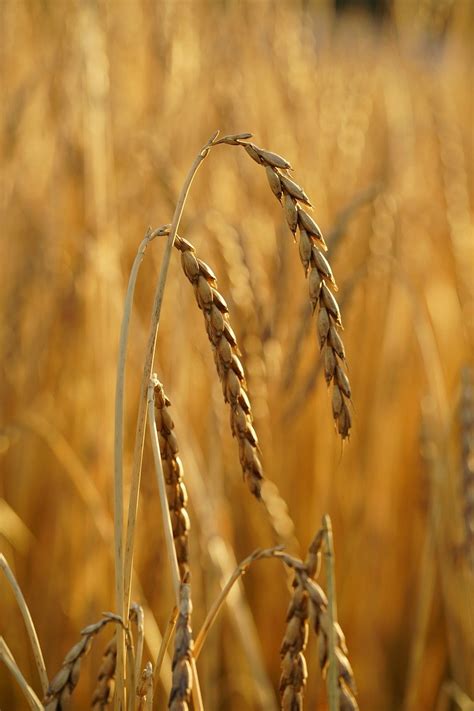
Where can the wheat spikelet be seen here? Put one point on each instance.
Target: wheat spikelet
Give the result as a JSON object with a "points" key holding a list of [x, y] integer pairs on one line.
{"points": [[226, 357], [180, 696], [173, 472], [104, 690], [61, 687], [321, 281]]}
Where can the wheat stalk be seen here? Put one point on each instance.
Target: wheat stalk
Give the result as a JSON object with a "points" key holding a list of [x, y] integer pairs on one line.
{"points": [[164, 643], [332, 676], [8, 659], [137, 615], [239, 571], [118, 453], [30, 627]]}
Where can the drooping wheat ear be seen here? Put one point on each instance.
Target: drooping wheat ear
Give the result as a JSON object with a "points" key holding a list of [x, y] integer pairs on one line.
{"points": [[104, 690], [180, 696], [318, 611], [226, 357], [173, 472], [320, 277], [293, 664], [466, 417], [63, 684]]}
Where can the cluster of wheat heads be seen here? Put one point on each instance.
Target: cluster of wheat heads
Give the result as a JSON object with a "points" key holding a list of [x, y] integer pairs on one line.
{"points": [[123, 678]]}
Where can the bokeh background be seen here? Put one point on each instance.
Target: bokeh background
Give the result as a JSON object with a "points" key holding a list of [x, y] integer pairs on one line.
{"points": [[104, 106]]}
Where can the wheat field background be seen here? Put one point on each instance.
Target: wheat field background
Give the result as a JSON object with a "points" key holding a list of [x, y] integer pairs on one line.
{"points": [[104, 106]]}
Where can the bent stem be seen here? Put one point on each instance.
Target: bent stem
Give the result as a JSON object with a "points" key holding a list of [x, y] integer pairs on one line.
{"points": [[30, 627], [118, 455], [240, 570], [147, 371], [164, 644]]}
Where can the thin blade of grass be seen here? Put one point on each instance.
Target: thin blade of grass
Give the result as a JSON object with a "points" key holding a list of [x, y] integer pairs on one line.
{"points": [[30, 627]]}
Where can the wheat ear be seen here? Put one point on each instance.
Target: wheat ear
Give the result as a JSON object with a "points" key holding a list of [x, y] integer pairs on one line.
{"points": [[321, 281], [61, 687], [319, 616], [226, 357], [173, 472], [177, 584], [104, 690], [293, 664], [180, 697]]}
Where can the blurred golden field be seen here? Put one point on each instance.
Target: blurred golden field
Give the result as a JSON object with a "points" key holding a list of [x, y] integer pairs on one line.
{"points": [[104, 107]]}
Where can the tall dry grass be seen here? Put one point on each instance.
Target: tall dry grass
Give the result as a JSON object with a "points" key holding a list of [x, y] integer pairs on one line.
{"points": [[104, 107]]}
